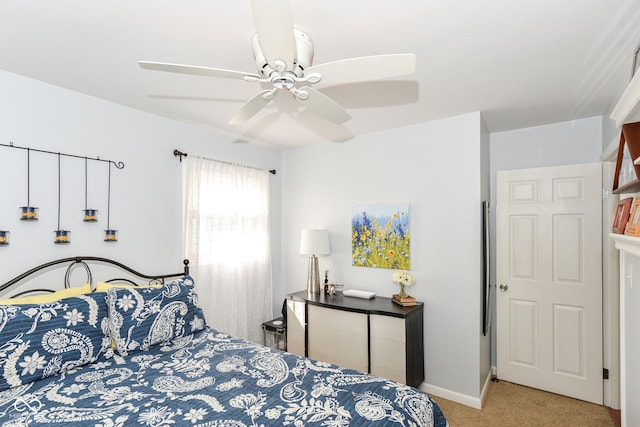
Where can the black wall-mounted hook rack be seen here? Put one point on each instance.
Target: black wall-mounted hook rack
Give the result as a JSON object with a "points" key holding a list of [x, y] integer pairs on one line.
{"points": [[118, 165]]}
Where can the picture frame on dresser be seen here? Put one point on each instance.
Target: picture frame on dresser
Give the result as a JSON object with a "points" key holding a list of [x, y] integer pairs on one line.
{"points": [[623, 213], [633, 225]]}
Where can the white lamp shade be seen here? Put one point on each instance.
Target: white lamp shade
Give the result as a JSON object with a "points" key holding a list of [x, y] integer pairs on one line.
{"points": [[314, 242]]}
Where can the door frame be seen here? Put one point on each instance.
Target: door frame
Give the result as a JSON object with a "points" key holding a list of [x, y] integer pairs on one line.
{"points": [[610, 291]]}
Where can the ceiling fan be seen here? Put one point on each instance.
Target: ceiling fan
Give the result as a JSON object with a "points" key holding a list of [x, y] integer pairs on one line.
{"points": [[284, 56]]}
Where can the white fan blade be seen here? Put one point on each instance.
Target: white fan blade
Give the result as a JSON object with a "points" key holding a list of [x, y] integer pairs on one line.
{"points": [[364, 68], [323, 105], [274, 24], [199, 71], [251, 107]]}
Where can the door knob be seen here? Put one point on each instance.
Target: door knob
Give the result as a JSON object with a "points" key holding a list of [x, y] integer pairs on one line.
{"points": [[504, 287]]}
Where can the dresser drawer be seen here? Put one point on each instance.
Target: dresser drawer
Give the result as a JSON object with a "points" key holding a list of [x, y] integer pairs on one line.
{"points": [[388, 328], [338, 337], [388, 350], [337, 320]]}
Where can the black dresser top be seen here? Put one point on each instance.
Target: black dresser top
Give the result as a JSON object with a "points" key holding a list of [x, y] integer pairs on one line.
{"points": [[376, 305]]}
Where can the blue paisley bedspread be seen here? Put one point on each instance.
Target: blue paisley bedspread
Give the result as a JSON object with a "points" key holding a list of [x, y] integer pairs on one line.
{"points": [[213, 379]]}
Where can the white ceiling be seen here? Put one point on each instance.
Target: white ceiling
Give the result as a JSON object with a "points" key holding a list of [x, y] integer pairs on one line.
{"points": [[521, 63]]}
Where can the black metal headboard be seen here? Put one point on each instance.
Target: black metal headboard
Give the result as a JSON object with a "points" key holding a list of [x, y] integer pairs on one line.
{"points": [[82, 261]]}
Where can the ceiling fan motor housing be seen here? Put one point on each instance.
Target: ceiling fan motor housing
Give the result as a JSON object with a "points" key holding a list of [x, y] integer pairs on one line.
{"points": [[302, 60]]}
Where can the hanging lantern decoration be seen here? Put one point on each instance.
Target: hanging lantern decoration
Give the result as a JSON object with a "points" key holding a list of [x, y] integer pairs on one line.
{"points": [[4, 237], [110, 235], [90, 215], [28, 213], [62, 236]]}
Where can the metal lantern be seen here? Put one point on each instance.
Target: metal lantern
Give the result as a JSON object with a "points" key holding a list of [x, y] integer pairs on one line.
{"points": [[62, 236], [90, 215], [28, 213], [110, 235], [4, 237]]}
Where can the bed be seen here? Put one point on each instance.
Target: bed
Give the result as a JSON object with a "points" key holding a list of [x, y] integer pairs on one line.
{"points": [[120, 352]]}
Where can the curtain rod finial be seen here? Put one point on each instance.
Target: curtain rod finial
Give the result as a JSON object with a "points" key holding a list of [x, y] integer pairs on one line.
{"points": [[180, 154]]}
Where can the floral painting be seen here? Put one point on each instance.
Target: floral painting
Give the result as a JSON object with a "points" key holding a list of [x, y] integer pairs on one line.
{"points": [[380, 236]]}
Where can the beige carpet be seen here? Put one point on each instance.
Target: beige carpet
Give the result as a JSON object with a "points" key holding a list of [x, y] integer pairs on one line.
{"points": [[510, 404]]}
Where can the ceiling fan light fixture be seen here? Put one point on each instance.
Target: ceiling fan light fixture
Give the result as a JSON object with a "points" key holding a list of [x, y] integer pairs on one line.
{"points": [[280, 65], [268, 95], [312, 78], [284, 81]]}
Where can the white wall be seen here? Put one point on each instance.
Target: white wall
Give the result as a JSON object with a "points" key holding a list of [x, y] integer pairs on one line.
{"points": [[146, 201], [433, 166], [574, 142]]}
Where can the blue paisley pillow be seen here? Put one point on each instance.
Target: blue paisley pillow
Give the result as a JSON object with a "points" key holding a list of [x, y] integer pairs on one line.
{"points": [[41, 340], [143, 317]]}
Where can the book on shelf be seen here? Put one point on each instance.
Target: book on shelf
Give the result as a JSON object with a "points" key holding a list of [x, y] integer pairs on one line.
{"points": [[407, 298], [404, 304]]}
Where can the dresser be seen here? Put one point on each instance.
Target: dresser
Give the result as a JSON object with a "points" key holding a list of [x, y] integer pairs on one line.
{"points": [[375, 336]]}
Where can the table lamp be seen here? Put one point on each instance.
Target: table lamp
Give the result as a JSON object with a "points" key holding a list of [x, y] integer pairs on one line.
{"points": [[314, 242]]}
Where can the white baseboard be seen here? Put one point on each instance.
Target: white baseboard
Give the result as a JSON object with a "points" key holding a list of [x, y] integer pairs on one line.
{"points": [[474, 402]]}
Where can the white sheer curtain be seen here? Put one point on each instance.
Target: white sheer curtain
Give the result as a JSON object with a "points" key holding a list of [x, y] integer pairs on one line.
{"points": [[228, 244]]}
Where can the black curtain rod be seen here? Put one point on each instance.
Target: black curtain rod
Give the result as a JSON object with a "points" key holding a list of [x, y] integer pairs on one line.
{"points": [[180, 154], [118, 165]]}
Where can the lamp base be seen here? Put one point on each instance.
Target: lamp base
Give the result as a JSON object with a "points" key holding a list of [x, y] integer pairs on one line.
{"points": [[313, 277]]}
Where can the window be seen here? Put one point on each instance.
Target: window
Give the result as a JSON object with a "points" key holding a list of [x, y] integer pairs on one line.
{"points": [[229, 244]]}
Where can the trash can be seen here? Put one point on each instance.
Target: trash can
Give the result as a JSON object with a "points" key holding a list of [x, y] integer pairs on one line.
{"points": [[274, 334]]}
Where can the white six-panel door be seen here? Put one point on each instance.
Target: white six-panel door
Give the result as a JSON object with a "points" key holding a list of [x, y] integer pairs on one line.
{"points": [[549, 279]]}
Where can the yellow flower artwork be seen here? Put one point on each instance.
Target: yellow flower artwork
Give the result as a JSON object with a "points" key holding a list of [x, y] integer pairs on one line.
{"points": [[380, 236]]}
